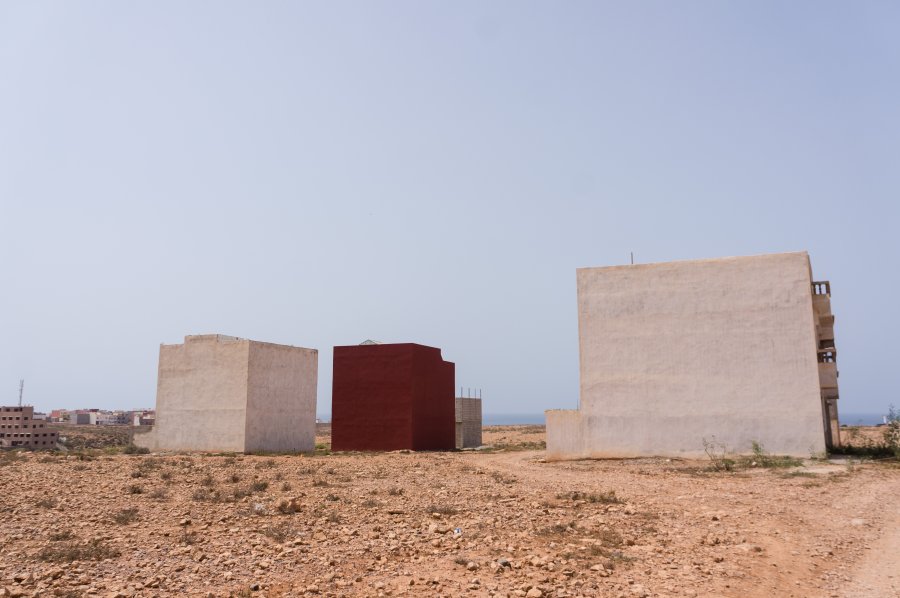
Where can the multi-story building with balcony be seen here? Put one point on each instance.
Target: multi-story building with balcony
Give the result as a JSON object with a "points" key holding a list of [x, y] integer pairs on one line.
{"points": [[18, 428], [827, 355]]}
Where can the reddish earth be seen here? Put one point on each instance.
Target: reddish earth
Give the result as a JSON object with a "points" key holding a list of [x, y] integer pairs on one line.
{"points": [[489, 523]]}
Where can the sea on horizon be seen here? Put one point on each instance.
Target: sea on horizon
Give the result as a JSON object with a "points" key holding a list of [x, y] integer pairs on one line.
{"points": [[512, 419]]}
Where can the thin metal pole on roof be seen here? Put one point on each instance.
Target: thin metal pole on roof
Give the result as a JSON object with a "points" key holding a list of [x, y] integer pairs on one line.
{"points": [[632, 258]]}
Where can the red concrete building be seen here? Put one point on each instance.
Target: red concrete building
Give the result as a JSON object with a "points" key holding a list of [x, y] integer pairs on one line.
{"points": [[391, 397]]}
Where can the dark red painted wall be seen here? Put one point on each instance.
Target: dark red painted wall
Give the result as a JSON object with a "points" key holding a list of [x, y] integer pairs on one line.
{"points": [[391, 397]]}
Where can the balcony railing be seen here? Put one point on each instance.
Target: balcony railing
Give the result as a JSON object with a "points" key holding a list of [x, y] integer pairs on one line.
{"points": [[822, 287], [828, 356]]}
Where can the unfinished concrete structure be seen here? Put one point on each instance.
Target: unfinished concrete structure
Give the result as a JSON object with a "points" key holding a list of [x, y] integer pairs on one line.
{"points": [[222, 393], [392, 396], [732, 350], [468, 422], [19, 428]]}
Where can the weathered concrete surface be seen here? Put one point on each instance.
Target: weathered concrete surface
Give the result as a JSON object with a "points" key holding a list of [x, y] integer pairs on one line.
{"points": [[675, 353], [221, 393], [468, 422]]}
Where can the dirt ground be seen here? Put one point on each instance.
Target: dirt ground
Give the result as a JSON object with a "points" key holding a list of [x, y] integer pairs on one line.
{"points": [[498, 522]]}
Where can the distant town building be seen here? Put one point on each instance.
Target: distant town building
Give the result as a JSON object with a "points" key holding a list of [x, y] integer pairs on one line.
{"points": [[19, 428], [58, 416], [143, 417], [114, 418], [84, 418]]}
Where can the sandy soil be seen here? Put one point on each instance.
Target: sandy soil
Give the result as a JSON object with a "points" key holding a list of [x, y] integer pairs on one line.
{"points": [[487, 523]]}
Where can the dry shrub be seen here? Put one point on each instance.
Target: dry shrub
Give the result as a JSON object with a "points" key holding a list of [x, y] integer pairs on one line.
{"points": [[126, 516], [94, 550]]}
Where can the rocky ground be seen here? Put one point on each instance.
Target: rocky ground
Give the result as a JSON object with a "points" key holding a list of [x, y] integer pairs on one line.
{"points": [[499, 522]]}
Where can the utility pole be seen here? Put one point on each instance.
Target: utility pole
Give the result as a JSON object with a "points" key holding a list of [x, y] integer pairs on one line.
{"points": [[21, 388]]}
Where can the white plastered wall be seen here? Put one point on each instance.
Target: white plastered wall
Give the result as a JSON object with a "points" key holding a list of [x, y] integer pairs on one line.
{"points": [[201, 396], [675, 353], [281, 400]]}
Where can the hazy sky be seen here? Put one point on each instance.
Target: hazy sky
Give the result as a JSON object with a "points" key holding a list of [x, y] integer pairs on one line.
{"points": [[317, 174]]}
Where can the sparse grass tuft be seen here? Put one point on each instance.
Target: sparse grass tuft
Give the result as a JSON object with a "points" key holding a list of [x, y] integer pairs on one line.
{"points": [[606, 498], [279, 532], [610, 537], [259, 486], [188, 537], [556, 529], [442, 509], [761, 458], [159, 494], [395, 491], [798, 474], [288, 507], [499, 477], [61, 535], [131, 449], [716, 452], [126, 516], [94, 550], [135, 489], [205, 494], [47, 503], [10, 457]]}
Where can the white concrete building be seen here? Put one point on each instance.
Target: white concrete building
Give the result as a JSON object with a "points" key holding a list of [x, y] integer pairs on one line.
{"points": [[739, 350], [221, 393]]}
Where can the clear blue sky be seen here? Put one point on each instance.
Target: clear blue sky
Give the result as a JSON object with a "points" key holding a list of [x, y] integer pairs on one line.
{"points": [[321, 173]]}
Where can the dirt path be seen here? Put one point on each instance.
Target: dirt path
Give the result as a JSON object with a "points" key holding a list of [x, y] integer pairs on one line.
{"points": [[835, 534], [878, 573]]}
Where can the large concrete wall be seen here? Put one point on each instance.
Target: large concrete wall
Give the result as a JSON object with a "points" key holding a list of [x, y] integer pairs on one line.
{"points": [[201, 395], [673, 353], [281, 398], [391, 397], [221, 393]]}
